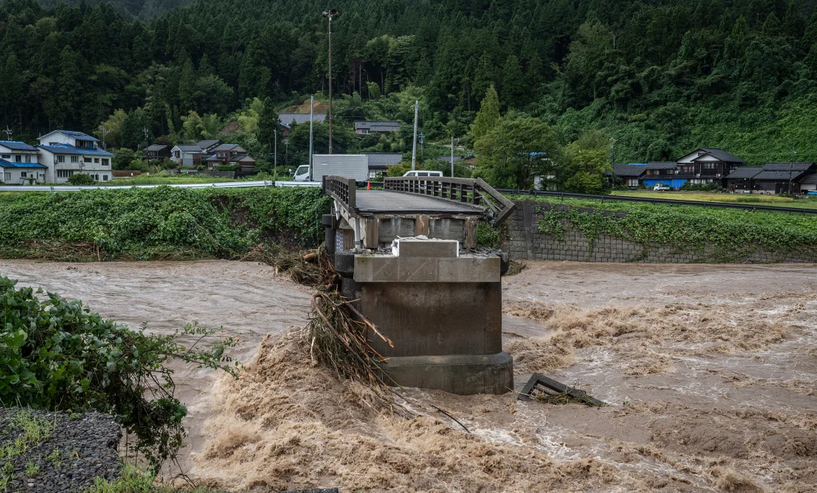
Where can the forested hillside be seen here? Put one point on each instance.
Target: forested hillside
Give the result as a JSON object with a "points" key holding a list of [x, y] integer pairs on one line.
{"points": [[658, 77]]}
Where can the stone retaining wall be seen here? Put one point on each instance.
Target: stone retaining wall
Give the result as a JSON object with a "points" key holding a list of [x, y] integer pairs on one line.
{"points": [[524, 241]]}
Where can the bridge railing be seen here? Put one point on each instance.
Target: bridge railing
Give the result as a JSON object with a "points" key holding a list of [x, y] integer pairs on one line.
{"points": [[464, 190], [342, 189]]}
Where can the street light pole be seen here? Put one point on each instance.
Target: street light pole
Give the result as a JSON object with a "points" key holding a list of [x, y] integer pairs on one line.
{"points": [[414, 141], [275, 162], [331, 15]]}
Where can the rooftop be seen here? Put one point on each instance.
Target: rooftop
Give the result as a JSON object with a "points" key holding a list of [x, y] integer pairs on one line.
{"points": [[744, 172], [188, 148], [16, 145], [69, 149], [74, 134], [378, 126], [779, 175], [381, 159], [721, 154], [634, 170], [787, 166], [9, 164], [155, 147], [661, 165]]}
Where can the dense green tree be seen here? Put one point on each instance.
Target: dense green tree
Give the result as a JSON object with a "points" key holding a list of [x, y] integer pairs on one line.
{"points": [[516, 151], [267, 131], [488, 116]]}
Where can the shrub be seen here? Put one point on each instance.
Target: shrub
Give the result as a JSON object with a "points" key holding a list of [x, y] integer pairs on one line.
{"points": [[58, 355], [80, 179], [157, 222]]}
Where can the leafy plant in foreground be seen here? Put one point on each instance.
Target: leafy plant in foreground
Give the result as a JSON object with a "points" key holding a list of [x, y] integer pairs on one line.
{"points": [[58, 355]]}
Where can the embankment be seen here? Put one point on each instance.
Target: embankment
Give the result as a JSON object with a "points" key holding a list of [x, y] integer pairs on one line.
{"points": [[591, 231], [157, 223]]}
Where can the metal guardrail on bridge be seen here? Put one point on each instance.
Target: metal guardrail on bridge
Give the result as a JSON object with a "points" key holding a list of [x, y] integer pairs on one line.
{"points": [[342, 189], [466, 190], [621, 198]]}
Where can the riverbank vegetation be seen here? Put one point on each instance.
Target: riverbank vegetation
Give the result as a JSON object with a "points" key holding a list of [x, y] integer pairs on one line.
{"points": [[158, 223], [732, 233]]}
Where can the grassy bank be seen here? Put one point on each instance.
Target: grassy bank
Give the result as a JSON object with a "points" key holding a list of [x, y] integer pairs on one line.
{"points": [[729, 198], [157, 223], [730, 233]]}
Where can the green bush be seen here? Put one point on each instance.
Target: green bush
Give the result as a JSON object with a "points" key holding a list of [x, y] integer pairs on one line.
{"points": [[58, 355], [80, 179], [158, 223]]}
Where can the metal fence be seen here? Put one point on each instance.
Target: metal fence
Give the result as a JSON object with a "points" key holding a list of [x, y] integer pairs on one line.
{"points": [[618, 198], [465, 190]]}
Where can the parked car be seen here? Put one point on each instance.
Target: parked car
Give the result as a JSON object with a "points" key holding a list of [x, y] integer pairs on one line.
{"points": [[660, 187], [423, 173]]}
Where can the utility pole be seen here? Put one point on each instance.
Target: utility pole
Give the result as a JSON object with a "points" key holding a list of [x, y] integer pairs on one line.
{"points": [[275, 163], [311, 114], [8, 132], [452, 156], [331, 15], [791, 168], [104, 132], [414, 142]]}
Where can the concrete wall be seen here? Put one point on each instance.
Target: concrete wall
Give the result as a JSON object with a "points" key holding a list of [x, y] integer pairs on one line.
{"points": [[524, 241]]}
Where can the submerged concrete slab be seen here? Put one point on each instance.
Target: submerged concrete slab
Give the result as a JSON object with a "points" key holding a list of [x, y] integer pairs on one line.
{"points": [[386, 268], [457, 374]]}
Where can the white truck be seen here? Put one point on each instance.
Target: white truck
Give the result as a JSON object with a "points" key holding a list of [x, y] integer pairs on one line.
{"points": [[350, 165]]}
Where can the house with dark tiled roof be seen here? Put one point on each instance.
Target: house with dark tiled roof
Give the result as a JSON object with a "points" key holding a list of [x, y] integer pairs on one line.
{"points": [[809, 183], [781, 177], [740, 180], [365, 128], [67, 152], [629, 174], [379, 162], [157, 151], [706, 165]]}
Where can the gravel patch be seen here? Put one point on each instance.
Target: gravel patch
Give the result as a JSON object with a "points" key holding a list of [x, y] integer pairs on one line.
{"points": [[53, 451]]}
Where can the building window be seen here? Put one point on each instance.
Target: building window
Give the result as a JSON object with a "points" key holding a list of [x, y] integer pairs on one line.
{"points": [[23, 174], [60, 159], [18, 158], [28, 158], [104, 161], [74, 159], [96, 160], [104, 177], [6, 156], [87, 159], [710, 165], [63, 173]]}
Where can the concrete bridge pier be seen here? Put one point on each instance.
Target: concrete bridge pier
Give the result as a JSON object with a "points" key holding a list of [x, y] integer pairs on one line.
{"points": [[399, 254]]}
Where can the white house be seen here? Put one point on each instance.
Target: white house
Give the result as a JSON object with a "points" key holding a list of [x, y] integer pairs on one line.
{"points": [[19, 163], [66, 153], [186, 155]]}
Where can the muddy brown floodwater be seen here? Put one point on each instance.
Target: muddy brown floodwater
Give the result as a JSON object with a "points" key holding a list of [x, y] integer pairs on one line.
{"points": [[709, 371]]}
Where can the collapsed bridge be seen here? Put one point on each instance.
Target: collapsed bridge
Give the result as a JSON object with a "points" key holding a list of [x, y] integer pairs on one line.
{"points": [[408, 255]]}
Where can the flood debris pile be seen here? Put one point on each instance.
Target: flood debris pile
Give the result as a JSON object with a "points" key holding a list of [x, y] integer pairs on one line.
{"points": [[54, 451]]}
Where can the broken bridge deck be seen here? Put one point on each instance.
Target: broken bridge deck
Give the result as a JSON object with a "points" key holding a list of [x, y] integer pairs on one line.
{"points": [[437, 207]]}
